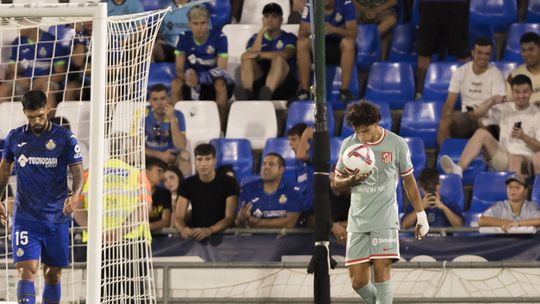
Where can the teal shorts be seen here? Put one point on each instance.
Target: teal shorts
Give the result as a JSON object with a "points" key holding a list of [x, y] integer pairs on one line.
{"points": [[363, 247]]}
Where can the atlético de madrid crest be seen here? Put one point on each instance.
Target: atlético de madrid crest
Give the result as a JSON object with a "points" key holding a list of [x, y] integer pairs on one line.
{"points": [[387, 157]]}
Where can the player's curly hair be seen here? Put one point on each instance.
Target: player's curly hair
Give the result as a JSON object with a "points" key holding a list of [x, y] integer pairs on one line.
{"points": [[34, 100], [362, 114]]}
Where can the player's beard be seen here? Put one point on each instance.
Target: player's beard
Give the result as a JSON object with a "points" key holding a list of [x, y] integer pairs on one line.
{"points": [[38, 129]]}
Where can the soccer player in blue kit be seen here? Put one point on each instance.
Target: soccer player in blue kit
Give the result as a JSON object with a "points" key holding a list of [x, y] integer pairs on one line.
{"points": [[41, 152]]}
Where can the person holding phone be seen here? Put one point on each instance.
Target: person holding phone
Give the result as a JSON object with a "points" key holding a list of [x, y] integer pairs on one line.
{"points": [[441, 211], [519, 144]]}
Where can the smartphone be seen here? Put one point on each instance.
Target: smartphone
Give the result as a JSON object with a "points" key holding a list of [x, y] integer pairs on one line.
{"points": [[517, 125]]}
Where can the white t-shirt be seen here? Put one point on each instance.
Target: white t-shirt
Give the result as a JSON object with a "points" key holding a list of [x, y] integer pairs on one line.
{"points": [[506, 115], [522, 69]]}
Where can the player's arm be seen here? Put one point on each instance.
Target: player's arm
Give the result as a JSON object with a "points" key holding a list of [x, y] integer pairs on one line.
{"points": [[304, 30], [5, 173], [283, 222], [180, 62], [164, 222], [411, 189], [486, 105], [530, 222], [228, 220], [302, 152], [222, 60], [446, 117], [287, 53], [177, 135], [349, 31], [180, 216], [72, 201]]}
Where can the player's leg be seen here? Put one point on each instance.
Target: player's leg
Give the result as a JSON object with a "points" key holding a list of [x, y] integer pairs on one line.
{"points": [[357, 262], [222, 101], [515, 163], [303, 61], [384, 251], [55, 256], [387, 21], [177, 89], [249, 72], [279, 69], [482, 139], [52, 290], [536, 163], [382, 269], [26, 245], [347, 48]]}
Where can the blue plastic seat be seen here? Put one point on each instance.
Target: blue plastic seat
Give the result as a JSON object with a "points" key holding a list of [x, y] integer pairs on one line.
{"points": [[512, 51], [335, 146], [333, 82], [386, 119], [483, 31], [304, 111], [280, 145], [506, 67], [489, 188], [368, 46], [437, 80], [452, 189], [163, 72], [399, 196], [498, 14], [535, 196], [390, 82], [421, 119], [220, 13], [471, 218], [248, 179], [453, 147], [418, 154], [415, 14], [235, 152], [403, 45], [533, 12]]}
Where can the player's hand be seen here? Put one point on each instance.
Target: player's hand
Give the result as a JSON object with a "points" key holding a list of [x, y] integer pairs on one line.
{"points": [[329, 29], [244, 213], [517, 133], [186, 233], [497, 99], [191, 78], [3, 215], [168, 156], [340, 233], [169, 111], [506, 227], [358, 178], [250, 55], [201, 233], [422, 225], [70, 204]]}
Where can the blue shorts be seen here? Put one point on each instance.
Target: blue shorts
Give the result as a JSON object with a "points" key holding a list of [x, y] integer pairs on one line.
{"points": [[32, 239]]}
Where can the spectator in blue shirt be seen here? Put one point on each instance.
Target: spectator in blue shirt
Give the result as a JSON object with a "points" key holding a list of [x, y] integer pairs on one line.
{"points": [[124, 7], [441, 212], [270, 202], [340, 34], [165, 128], [268, 66], [174, 23]]}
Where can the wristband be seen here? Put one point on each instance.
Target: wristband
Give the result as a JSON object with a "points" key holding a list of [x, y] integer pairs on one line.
{"points": [[421, 219]]}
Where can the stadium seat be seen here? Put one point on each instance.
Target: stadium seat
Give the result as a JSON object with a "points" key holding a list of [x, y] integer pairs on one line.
{"points": [[63, 33], [403, 45], [202, 120], [304, 111], [235, 152], [333, 80], [390, 82], [421, 119], [368, 46], [505, 67], [535, 196], [418, 154], [11, 116], [127, 116], [252, 10], [469, 258], [452, 189], [386, 119], [248, 179], [163, 73], [533, 12], [498, 14], [437, 80], [240, 34], [512, 51], [470, 219], [335, 146], [254, 120], [453, 147], [489, 188], [280, 145], [220, 13], [152, 5], [415, 14], [78, 115]]}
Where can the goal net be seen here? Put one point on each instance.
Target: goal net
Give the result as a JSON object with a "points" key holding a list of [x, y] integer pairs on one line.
{"points": [[94, 71]]}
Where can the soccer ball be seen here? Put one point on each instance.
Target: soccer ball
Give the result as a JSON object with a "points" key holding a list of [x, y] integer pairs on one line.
{"points": [[358, 158]]}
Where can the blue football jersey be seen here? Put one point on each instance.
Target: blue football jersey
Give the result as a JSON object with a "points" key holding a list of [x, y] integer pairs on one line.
{"points": [[158, 135], [435, 216], [35, 60], [202, 56], [271, 205], [280, 43], [344, 11], [41, 164]]}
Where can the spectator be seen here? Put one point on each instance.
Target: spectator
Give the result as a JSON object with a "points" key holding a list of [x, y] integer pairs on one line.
{"points": [[380, 12], [516, 210], [31, 65], [201, 64], [174, 23], [299, 137], [340, 35], [172, 179], [440, 211], [165, 128], [269, 202], [442, 23], [519, 136], [268, 66], [124, 7], [477, 82], [213, 197], [530, 51], [340, 201], [78, 86], [160, 213]]}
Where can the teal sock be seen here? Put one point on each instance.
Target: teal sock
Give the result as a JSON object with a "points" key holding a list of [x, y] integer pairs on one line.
{"points": [[26, 292], [367, 293], [384, 292], [52, 293]]}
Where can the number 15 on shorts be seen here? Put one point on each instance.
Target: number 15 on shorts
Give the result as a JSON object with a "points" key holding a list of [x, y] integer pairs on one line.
{"points": [[21, 238]]}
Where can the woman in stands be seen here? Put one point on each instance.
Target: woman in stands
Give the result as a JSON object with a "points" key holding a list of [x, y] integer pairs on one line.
{"points": [[172, 178]]}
